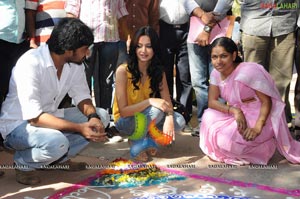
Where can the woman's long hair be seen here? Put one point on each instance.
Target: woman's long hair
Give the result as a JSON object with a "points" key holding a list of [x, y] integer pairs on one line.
{"points": [[228, 45], [155, 69]]}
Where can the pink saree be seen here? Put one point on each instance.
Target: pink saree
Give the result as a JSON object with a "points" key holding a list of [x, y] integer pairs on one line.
{"points": [[219, 137]]}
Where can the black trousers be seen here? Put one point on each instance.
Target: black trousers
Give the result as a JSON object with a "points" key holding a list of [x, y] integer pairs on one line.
{"points": [[174, 52], [9, 55], [297, 63], [102, 66]]}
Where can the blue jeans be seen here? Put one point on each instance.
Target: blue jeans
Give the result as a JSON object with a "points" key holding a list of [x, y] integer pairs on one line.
{"points": [[200, 69], [127, 125], [35, 146]]}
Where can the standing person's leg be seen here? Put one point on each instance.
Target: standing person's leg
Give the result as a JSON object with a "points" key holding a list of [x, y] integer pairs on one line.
{"points": [[256, 49], [281, 66], [200, 68], [297, 64], [183, 77], [167, 37], [281, 61], [122, 54], [267, 51], [107, 66], [94, 67], [9, 55], [297, 86]]}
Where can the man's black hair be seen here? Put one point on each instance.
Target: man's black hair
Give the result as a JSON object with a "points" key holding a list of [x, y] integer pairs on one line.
{"points": [[69, 34]]}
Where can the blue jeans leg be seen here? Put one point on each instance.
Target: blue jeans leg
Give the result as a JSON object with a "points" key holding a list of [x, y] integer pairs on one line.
{"points": [[36, 146], [78, 142], [200, 69], [127, 125]]}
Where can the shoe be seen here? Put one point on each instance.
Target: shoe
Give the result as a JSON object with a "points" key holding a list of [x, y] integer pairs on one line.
{"points": [[70, 166], [195, 132], [297, 133], [1, 143], [188, 128], [291, 128], [113, 135], [1, 173], [27, 177]]}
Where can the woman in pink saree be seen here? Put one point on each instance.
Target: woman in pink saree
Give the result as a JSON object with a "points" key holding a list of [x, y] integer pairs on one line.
{"points": [[251, 124]]}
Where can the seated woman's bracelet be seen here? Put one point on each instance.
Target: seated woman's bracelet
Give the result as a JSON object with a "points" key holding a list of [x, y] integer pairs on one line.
{"points": [[169, 113], [228, 110]]}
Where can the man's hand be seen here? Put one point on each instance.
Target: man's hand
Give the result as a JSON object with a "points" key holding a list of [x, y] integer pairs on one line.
{"points": [[202, 39], [209, 18], [94, 130]]}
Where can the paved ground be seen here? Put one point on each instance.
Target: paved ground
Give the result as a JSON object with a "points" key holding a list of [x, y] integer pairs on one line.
{"points": [[280, 175]]}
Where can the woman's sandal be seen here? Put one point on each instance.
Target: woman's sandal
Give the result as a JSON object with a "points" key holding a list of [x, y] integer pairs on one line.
{"points": [[152, 151], [141, 157], [140, 148]]}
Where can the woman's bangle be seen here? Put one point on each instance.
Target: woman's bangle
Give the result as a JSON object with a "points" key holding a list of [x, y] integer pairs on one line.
{"points": [[228, 110]]}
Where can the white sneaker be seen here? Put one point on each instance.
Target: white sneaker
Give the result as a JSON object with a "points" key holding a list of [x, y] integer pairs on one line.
{"points": [[188, 128], [113, 135], [115, 139], [196, 131]]}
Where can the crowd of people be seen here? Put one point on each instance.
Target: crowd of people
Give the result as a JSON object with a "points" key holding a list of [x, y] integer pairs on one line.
{"points": [[55, 54]]}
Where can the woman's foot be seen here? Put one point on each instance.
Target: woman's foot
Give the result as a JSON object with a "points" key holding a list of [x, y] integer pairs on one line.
{"points": [[141, 157], [152, 151]]}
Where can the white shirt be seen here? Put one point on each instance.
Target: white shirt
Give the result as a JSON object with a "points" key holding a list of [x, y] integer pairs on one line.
{"points": [[173, 12], [34, 88]]}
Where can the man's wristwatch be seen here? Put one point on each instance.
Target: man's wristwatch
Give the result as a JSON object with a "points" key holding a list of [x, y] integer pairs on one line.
{"points": [[93, 115], [207, 28]]}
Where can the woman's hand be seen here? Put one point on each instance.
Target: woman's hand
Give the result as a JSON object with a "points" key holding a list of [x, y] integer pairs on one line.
{"points": [[240, 119], [161, 104], [251, 133], [168, 127]]}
